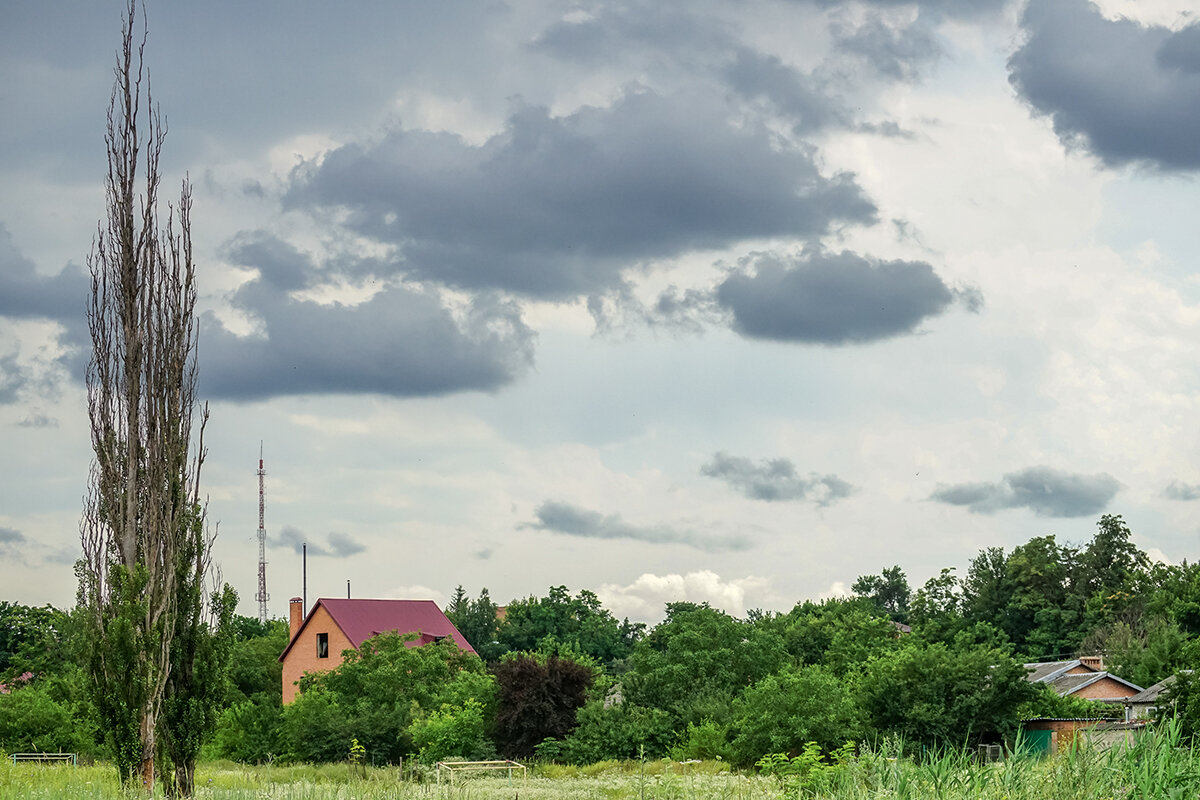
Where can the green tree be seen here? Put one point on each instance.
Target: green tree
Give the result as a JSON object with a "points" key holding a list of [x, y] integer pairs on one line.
{"points": [[936, 609], [477, 620], [697, 661], [987, 591], [889, 592], [838, 633], [579, 622], [784, 711], [250, 725], [945, 695]]}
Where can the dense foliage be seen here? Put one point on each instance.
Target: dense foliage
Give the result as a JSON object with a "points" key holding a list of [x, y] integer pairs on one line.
{"points": [[564, 680]]}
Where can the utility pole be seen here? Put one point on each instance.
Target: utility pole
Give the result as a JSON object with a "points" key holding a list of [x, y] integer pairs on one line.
{"points": [[262, 597]]}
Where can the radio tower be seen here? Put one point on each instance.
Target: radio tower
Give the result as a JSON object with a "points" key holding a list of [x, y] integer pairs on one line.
{"points": [[262, 597]]}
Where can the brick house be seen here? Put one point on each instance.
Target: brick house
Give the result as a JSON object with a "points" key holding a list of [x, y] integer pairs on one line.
{"points": [[337, 624], [1084, 678]]}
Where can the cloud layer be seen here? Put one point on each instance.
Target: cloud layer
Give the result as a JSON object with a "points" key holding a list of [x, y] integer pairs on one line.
{"points": [[1045, 491], [559, 206], [775, 479], [570, 520]]}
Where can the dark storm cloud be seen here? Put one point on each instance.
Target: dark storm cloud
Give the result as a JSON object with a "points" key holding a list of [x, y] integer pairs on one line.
{"points": [[570, 520], [24, 294], [560, 206], [1177, 490], [1045, 491], [339, 544], [402, 341], [795, 94], [832, 298], [1127, 93], [775, 479]]}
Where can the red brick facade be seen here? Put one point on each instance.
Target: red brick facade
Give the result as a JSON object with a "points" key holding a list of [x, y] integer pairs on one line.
{"points": [[302, 657]]}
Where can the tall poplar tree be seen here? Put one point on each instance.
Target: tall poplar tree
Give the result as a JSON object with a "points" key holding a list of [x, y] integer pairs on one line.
{"points": [[143, 508]]}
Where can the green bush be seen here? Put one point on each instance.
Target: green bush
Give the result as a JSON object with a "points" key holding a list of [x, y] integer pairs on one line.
{"points": [[453, 732], [33, 721]]}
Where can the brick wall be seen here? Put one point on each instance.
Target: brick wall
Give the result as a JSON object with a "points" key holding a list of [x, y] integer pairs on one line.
{"points": [[303, 655], [1105, 688]]}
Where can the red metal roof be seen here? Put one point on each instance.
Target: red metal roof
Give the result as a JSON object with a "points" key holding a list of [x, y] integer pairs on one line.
{"points": [[362, 619]]}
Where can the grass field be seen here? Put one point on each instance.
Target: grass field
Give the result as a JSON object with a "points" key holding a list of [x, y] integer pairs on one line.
{"points": [[1157, 767]]}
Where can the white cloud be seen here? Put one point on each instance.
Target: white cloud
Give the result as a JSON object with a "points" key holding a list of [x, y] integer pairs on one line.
{"points": [[646, 597]]}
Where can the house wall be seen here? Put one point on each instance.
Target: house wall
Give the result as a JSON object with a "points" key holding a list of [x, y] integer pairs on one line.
{"points": [[1105, 688], [303, 655]]}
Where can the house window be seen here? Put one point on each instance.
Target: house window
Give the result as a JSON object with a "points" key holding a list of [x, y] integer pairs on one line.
{"points": [[322, 645]]}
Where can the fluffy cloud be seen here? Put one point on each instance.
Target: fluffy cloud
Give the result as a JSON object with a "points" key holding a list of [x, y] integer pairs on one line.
{"points": [[559, 206], [1124, 91], [775, 479], [646, 597], [1045, 491], [570, 520], [339, 545], [403, 341], [832, 298]]}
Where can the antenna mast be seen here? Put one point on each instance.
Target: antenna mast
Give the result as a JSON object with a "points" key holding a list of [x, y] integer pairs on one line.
{"points": [[262, 595]]}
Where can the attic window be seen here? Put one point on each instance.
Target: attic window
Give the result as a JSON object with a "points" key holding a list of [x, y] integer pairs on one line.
{"points": [[322, 645]]}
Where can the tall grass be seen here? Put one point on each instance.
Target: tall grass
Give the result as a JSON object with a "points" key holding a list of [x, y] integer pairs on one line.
{"points": [[1158, 765]]}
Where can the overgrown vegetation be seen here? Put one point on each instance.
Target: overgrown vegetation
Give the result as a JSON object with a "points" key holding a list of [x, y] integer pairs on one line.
{"points": [[700, 685], [1160, 765]]}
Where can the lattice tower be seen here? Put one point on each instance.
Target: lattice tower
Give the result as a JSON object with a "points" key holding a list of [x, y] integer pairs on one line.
{"points": [[262, 597]]}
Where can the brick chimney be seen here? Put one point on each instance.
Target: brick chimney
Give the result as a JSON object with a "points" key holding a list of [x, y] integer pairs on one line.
{"points": [[295, 616], [1095, 662]]}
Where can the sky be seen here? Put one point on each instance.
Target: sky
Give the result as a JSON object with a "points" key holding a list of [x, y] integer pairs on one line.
{"points": [[728, 302]]}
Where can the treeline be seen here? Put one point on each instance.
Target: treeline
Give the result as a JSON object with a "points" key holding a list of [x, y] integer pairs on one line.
{"points": [[559, 677]]}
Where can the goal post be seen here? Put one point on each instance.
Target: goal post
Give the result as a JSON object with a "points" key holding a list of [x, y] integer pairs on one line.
{"points": [[452, 768]]}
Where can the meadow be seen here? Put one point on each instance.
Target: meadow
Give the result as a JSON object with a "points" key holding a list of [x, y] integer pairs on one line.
{"points": [[1157, 766]]}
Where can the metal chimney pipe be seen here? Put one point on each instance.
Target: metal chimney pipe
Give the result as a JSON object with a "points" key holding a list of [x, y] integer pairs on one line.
{"points": [[304, 574]]}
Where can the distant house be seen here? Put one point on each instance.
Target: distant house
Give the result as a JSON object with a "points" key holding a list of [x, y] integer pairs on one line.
{"points": [[1144, 704], [337, 624], [1084, 678]]}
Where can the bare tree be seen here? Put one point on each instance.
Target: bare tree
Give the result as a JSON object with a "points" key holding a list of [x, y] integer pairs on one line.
{"points": [[143, 497]]}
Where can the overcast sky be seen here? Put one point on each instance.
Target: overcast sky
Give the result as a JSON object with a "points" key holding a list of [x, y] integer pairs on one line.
{"points": [[706, 300]]}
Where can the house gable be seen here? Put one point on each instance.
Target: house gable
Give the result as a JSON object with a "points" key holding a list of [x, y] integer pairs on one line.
{"points": [[302, 653]]}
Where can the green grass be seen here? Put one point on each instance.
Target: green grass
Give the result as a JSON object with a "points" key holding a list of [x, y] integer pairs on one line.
{"points": [[1157, 766]]}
